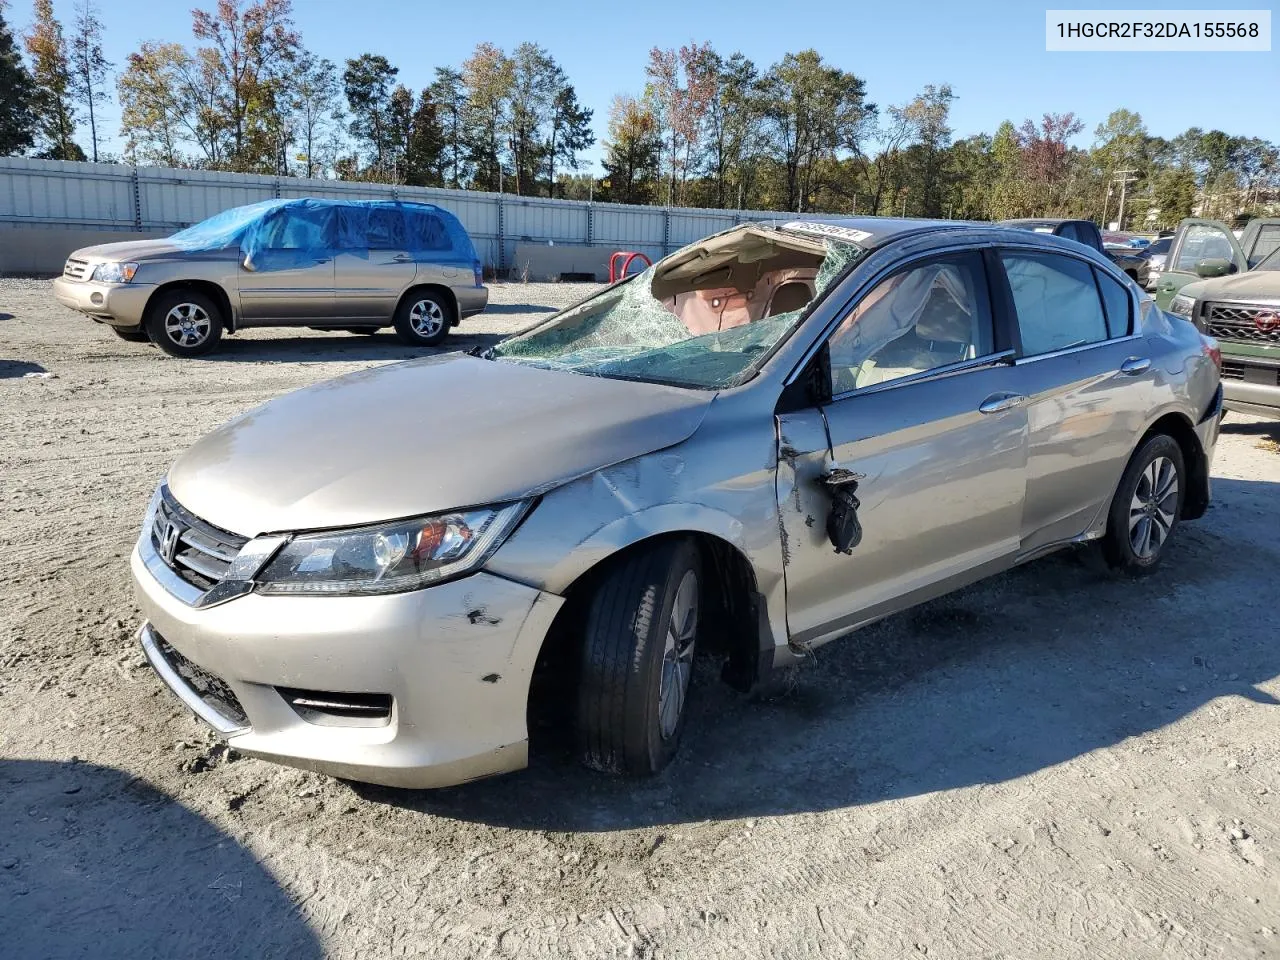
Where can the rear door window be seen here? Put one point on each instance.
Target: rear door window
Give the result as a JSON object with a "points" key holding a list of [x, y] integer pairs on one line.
{"points": [[386, 229], [1115, 298], [426, 231], [1057, 301]]}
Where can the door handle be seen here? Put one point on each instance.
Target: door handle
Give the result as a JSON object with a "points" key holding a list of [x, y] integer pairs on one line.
{"points": [[322, 259], [1134, 366], [402, 258], [1000, 402]]}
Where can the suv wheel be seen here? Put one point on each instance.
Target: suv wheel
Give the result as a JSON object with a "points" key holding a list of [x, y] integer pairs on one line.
{"points": [[641, 630], [184, 323], [423, 318], [1146, 508]]}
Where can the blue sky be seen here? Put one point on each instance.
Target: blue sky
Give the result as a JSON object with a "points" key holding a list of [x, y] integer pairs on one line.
{"points": [[990, 51]]}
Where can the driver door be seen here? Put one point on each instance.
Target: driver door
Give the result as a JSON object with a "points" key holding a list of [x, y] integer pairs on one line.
{"points": [[1195, 241], [924, 417]]}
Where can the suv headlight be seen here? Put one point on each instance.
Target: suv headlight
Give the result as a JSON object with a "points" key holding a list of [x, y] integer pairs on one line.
{"points": [[1182, 305], [392, 557], [114, 272]]}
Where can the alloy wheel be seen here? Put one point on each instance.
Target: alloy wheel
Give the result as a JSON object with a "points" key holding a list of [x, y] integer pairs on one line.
{"points": [[187, 324], [426, 318], [677, 655], [1151, 511]]}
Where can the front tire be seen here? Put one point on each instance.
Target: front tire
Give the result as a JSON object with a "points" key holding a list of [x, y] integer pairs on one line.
{"points": [[641, 630], [423, 318], [1146, 508], [184, 323]]}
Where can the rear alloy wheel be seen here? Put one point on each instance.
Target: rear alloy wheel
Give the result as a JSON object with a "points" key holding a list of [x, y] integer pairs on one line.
{"points": [[184, 323], [423, 319], [641, 632], [1147, 506]]}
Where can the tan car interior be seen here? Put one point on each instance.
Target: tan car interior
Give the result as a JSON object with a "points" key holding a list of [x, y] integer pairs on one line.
{"points": [[739, 278]]}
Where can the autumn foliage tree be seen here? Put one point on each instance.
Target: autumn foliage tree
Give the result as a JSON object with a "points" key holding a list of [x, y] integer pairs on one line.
{"points": [[51, 73]]}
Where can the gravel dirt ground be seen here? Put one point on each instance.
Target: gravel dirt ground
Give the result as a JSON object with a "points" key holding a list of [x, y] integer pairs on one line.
{"points": [[1051, 764]]}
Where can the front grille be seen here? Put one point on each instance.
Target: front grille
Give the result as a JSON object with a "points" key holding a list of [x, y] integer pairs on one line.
{"points": [[212, 689], [1232, 371], [76, 269], [1263, 374], [1229, 321], [201, 553]]}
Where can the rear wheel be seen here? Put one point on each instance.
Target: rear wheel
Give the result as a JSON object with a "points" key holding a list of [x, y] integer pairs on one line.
{"points": [[423, 318], [184, 323], [1146, 508], [641, 630]]}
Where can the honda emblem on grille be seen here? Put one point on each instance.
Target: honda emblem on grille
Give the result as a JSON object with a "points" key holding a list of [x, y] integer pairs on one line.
{"points": [[1267, 321], [169, 537]]}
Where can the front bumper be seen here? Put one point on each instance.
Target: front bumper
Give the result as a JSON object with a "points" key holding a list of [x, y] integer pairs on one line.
{"points": [[1257, 399], [456, 659], [119, 304]]}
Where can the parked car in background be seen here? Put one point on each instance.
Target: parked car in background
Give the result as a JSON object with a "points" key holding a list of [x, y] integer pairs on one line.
{"points": [[1204, 249], [1156, 253], [764, 441], [324, 264], [1127, 258], [1242, 312]]}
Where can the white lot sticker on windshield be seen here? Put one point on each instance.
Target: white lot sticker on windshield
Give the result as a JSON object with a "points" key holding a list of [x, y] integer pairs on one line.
{"points": [[828, 230]]}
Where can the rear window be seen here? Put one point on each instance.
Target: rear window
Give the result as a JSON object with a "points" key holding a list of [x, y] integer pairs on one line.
{"points": [[426, 231]]}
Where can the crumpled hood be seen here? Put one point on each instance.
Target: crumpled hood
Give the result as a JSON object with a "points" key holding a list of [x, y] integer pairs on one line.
{"points": [[420, 437], [1256, 285], [129, 250]]}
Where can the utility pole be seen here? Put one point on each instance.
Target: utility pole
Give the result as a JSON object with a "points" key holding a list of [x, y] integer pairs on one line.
{"points": [[1125, 177]]}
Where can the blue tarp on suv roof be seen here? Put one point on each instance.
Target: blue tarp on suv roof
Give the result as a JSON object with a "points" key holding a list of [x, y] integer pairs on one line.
{"points": [[276, 234]]}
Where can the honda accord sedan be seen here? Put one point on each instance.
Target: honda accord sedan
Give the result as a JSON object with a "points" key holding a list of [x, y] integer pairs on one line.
{"points": [[765, 441]]}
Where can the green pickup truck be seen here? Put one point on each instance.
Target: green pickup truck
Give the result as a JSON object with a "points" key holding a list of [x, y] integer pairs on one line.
{"points": [[1230, 289]]}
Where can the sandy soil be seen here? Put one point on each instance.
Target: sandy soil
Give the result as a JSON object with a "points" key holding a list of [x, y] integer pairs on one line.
{"points": [[1048, 765]]}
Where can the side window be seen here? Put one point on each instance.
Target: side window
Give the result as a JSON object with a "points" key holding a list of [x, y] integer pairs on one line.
{"points": [[386, 229], [1056, 300], [1115, 298], [1268, 239], [300, 228], [1068, 232], [926, 316], [1201, 242], [426, 231]]}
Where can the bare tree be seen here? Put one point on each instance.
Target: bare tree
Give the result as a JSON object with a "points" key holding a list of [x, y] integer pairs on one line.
{"points": [[89, 67]]}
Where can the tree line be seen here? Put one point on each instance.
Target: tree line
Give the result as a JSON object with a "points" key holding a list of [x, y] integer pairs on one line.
{"points": [[706, 129]]}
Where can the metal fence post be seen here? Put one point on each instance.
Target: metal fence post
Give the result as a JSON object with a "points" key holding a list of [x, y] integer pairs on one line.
{"points": [[666, 230], [502, 239], [275, 189], [591, 226], [137, 200]]}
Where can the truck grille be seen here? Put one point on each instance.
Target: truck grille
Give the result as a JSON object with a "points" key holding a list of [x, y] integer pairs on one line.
{"points": [[199, 553], [1240, 322], [76, 269]]}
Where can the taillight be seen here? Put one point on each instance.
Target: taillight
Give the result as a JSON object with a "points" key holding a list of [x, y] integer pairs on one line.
{"points": [[1210, 348], [478, 269]]}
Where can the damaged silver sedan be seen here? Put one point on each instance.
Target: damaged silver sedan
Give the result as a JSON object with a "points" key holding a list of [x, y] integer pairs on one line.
{"points": [[766, 440]]}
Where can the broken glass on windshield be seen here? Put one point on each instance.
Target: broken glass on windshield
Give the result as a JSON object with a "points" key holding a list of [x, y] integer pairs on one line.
{"points": [[703, 317]]}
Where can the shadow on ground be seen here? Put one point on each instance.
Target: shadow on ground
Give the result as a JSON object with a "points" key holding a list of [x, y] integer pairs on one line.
{"points": [[17, 369], [1256, 428], [1030, 669], [94, 863]]}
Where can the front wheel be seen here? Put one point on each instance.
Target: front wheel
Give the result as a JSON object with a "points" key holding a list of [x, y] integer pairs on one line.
{"points": [[1146, 508], [184, 323], [423, 318], [641, 631]]}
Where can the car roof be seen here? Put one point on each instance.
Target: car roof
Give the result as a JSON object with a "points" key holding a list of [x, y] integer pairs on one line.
{"points": [[870, 231], [1042, 221]]}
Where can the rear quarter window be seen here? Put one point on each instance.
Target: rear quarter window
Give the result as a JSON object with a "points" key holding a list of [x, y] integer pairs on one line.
{"points": [[1118, 305]]}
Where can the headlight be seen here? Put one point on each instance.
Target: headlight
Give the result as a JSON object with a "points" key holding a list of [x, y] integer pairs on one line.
{"points": [[1182, 306], [114, 272], [389, 558]]}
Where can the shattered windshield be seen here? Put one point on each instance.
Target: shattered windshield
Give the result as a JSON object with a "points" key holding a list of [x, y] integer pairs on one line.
{"points": [[704, 317]]}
